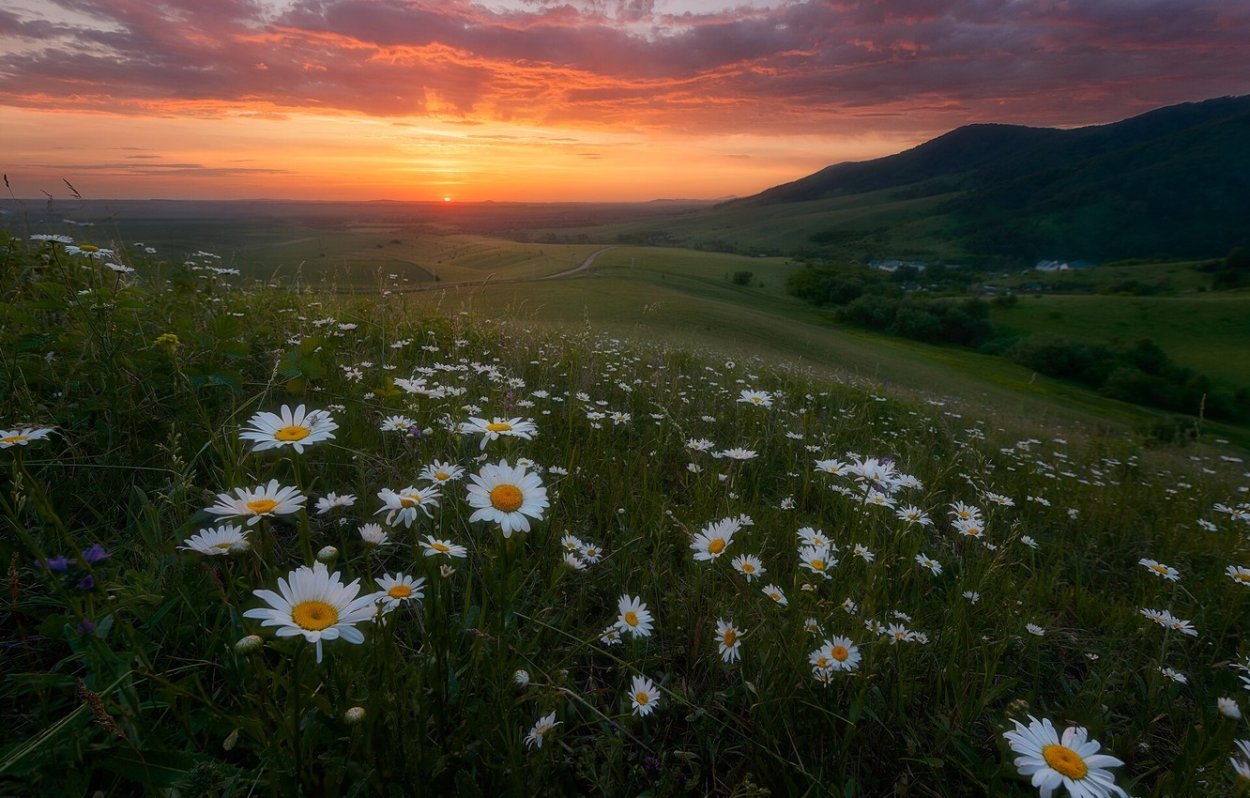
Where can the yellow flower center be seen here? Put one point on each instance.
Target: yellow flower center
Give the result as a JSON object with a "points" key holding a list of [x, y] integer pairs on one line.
{"points": [[410, 500], [506, 498], [443, 547], [730, 638], [292, 433], [822, 662], [642, 698], [1160, 569], [840, 653], [89, 248], [399, 592], [262, 506], [314, 615], [631, 618], [1242, 576], [1065, 761], [499, 426], [716, 546], [14, 438], [758, 400], [818, 565], [223, 545], [775, 596], [748, 568], [442, 476]]}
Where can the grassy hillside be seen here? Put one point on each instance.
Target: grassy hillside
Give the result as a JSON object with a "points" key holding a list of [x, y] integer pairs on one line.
{"points": [[688, 298], [561, 595], [1209, 333]]}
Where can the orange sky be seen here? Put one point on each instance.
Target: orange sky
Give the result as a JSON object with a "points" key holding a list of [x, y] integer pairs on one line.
{"points": [[570, 100]]}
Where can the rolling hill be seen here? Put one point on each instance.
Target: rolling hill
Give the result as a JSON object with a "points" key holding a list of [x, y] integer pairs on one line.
{"points": [[1170, 183]]}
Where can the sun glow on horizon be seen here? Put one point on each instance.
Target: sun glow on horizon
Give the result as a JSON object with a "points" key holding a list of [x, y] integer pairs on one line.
{"points": [[235, 154]]}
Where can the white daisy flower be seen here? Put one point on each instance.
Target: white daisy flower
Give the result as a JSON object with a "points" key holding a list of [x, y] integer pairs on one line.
{"points": [[714, 539], [499, 427], [507, 496], [295, 428], [633, 616], [439, 472], [394, 590], [224, 539], [316, 604], [1072, 762], [729, 640], [332, 500], [401, 506], [543, 725], [21, 437], [259, 502], [643, 695]]}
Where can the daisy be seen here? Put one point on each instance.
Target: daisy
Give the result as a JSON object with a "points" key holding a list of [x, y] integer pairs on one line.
{"points": [[714, 539], [913, 515], [574, 562], [965, 512], [572, 544], [643, 695], [372, 535], [1239, 574], [774, 593], [401, 506], [256, 503], [1034, 629], [543, 725], [729, 640], [394, 590], [757, 398], [434, 547], [316, 604], [224, 539], [837, 654], [1241, 760], [439, 472], [21, 437], [1159, 569], [1073, 762], [494, 429], [816, 560], [737, 454], [397, 424], [971, 527], [816, 538], [508, 496], [332, 500], [864, 553], [930, 563], [749, 566], [296, 429], [1228, 707], [590, 553], [633, 617], [835, 467]]}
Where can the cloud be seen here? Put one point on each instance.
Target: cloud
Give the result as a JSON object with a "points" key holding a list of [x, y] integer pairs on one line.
{"points": [[798, 65]]}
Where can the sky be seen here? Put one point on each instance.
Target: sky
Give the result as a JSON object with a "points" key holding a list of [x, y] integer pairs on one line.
{"points": [[561, 100]]}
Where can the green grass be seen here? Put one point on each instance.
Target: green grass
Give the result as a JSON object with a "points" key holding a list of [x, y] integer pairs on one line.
{"points": [[1209, 333], [687, 298], [123, 674], [877, 222]]}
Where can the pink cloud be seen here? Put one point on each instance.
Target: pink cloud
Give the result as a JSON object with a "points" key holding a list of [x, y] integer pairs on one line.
{"points": [[794, 66]]}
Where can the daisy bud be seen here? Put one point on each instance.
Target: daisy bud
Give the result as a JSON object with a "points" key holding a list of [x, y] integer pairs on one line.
{"points": [[446, 570], [354, 715], [249, 644], [1228, 708], [521, 677], [327, 554]]}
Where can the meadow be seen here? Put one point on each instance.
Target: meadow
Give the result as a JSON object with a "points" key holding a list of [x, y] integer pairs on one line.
{"points": [[265, 541]]}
